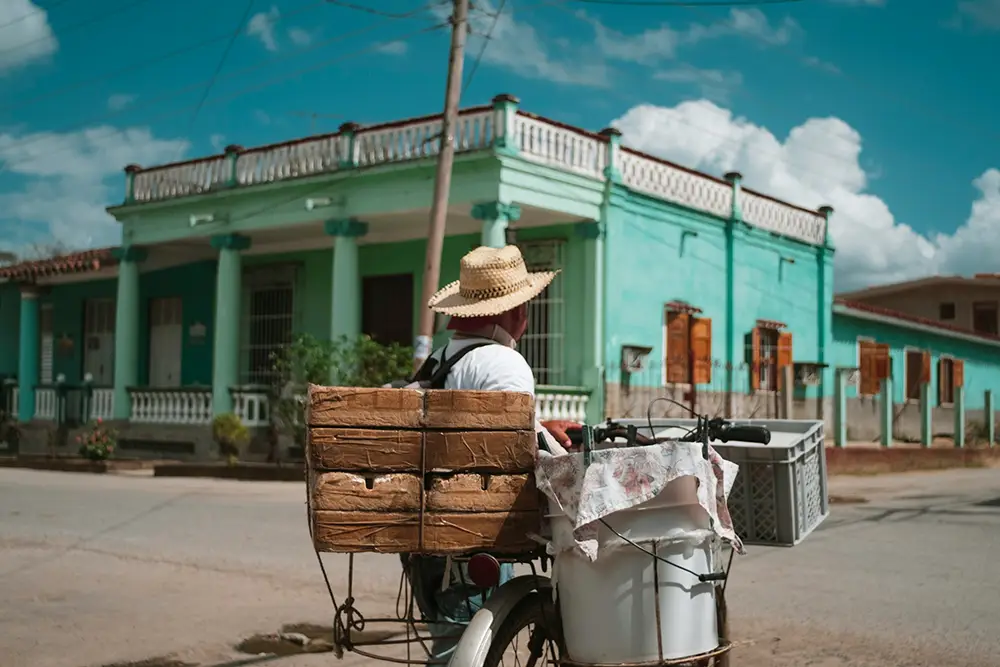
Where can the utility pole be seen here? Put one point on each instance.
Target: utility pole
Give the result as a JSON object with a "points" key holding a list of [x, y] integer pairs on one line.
{"points": [[442, 180]]}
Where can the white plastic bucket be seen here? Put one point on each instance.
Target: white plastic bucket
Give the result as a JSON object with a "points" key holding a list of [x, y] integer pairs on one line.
{"points": [[608, 607]]}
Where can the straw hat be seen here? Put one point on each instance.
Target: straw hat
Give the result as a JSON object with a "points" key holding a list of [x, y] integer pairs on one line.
{"points": [[490, 281]]}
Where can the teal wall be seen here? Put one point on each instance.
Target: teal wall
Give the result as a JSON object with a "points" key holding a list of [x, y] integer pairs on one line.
{"points": [[195, 285], [67, 320], [659, 253], [10, 318], [982, 361]]}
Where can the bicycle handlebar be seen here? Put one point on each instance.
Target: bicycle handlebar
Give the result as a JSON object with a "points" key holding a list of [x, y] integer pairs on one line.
{"points": [[718, 429]]}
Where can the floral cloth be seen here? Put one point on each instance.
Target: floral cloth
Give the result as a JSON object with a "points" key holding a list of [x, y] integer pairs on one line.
{"points": [[622, 478]]}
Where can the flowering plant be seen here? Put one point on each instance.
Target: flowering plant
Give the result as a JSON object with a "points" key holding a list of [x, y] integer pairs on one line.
{"points": [[98, 442]]}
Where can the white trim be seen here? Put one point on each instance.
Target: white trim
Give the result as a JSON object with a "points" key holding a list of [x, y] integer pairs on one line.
{"points": [[847, 311]]}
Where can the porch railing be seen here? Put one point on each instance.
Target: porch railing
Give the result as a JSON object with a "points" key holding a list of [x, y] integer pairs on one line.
{"points": [[46, 403], [252, 405], [12, 403], [535, 138], [561, 403], [183, 405]]}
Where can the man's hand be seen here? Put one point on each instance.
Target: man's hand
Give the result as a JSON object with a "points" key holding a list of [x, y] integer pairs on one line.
{"points": [[558, 427]]}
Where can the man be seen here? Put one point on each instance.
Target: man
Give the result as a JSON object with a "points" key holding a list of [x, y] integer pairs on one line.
{"points": [[489, 314]]}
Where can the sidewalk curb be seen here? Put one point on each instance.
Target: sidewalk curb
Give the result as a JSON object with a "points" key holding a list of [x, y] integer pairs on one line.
{"points": [[884, 460], [74, 464], [244, 472]]}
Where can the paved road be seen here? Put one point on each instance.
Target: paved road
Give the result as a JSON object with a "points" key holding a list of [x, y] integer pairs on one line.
{"points": [[96, 570]]}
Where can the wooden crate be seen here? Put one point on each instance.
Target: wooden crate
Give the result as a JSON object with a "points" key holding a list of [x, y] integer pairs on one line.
{"points": [[438, 472]]}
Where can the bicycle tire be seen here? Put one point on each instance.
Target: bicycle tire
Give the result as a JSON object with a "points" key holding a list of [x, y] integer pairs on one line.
{"points": [[535, 608]]}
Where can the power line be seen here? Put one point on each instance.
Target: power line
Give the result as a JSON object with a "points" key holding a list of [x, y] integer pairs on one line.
{"points": [[173, 93], [145, 63], [367, 10], [74, 26], [34, 12], [689, 3], [486, 44], [239, 93], [222, 61]]}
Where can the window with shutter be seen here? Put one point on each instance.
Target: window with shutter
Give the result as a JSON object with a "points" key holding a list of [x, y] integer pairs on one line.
{"points": [[678, 346], [869, 383], [946, 381], [914, 373], [883, 362], [754, 358], [701, 349], [957, 373]]}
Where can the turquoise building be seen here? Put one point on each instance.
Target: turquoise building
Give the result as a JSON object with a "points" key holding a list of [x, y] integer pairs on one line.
{"points": [[673, 283]]}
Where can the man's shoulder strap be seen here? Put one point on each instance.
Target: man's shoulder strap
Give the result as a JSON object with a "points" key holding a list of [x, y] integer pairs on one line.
{"points": [[436, 374]]}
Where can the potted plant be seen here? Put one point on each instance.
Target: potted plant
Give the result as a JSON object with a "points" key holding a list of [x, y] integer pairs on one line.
{"points": [[230, 435], [98, 442]]}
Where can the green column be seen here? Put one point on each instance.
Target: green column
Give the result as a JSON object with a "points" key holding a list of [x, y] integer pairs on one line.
{"points": [[126, 329], [989, 417], [926, 412], [345, 311], [840, 408], [27, 363], [885, 414], [495, 216], [504, 118], [228, 295], [593, 371], [960, 416]]}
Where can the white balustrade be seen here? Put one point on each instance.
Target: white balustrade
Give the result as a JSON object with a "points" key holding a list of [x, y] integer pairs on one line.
{"points": [[674, 183], [252, 406], [182, 406], [781, 218], [559, 146], [561, 403], [180, 180], [102, 403], [46, 403], [537, 139]]}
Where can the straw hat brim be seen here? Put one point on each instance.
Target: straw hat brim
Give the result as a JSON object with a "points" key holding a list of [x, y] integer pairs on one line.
{"points": [[448, 300]]}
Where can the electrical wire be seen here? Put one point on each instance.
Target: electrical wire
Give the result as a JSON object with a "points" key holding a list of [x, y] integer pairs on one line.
{"points": [[222, 62], [175, 92], [367, 10], [239, 93], [482, 51], [689, 3], [82, 24], [146, 63], [40, 10]]}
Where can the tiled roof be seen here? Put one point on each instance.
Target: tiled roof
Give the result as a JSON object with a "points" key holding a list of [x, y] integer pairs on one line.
{"points": [[906, 317], [77, 262]]}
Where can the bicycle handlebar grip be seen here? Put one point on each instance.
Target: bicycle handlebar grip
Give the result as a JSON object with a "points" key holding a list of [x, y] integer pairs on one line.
{"points": [[747, 433], [713, 576], [575, 436]]}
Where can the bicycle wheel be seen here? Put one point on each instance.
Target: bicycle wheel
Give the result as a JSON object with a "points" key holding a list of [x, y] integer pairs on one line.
{"points": [[539, 616]]}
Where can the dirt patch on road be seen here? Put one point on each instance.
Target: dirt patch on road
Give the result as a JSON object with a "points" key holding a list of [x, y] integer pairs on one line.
{"points": [[153, 662]]}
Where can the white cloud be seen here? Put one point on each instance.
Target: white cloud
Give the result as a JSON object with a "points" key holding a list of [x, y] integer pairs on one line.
{"points": [[25, 35], [67, 179], [261, 26], [262, 117], [218, 142], [518, 47], [300, 36], [816, 164], [712, 84], [119, 101], [396, 48], [983, 13]]}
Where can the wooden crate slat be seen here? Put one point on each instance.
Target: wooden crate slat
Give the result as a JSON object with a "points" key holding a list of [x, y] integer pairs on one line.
{"points": [[500, 451], [349, 492], [488, 410], [465, 493], [364, 449], [364, 407], [354, 532]]}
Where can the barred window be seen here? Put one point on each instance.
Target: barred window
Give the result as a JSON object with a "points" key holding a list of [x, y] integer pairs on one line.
{"points": [[543, 343]]}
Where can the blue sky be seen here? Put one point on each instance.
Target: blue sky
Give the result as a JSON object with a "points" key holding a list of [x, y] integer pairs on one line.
{"points": [[884, 108]]}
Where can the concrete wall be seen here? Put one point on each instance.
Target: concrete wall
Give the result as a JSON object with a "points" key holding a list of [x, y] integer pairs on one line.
{"points": [[925, 301], [659, 253], [982, 373]]}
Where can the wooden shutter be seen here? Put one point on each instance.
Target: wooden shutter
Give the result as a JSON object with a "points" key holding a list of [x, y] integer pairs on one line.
{"points": [[869, 380], [701, 349], [925, 368], [753, 357], [784, 349], [883, 362], [678, 347], [957, 373], [942, 386]]}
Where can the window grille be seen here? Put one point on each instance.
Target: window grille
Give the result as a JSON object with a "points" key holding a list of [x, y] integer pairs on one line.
{"points": [[542, 343], [268, 314]]}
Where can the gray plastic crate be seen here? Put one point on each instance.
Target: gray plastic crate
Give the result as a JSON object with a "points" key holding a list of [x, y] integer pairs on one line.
{"points": [[780, 494]]}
